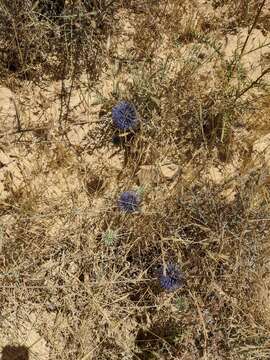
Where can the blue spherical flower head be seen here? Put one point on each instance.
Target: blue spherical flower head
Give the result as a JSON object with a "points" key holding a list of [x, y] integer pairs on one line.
{"points": [[124, 116], [170, 278], [129, 201]]}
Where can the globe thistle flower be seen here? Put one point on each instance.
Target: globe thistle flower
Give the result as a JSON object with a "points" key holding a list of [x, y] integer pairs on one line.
{"points": [[124, 116], [129, 201], [170, 277], [110, 237]]}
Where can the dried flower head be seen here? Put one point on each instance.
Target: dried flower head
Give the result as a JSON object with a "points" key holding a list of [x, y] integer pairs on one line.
{"points": [[129, 201], [170, 277], [124, 116]]}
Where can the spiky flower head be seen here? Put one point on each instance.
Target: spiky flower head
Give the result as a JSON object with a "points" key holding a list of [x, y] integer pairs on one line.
{"points": [[129, 201], [170, 277], [125, 116], [110, 237]]}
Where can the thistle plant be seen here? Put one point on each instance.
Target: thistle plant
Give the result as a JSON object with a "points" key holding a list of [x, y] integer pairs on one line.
{"points": [[110, 237], [124, 116], [129, 201], [170, 277]]}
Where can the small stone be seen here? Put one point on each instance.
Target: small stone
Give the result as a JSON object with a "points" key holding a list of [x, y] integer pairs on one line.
{"points": [[215, 175], [73, 268], [169, 171]]}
